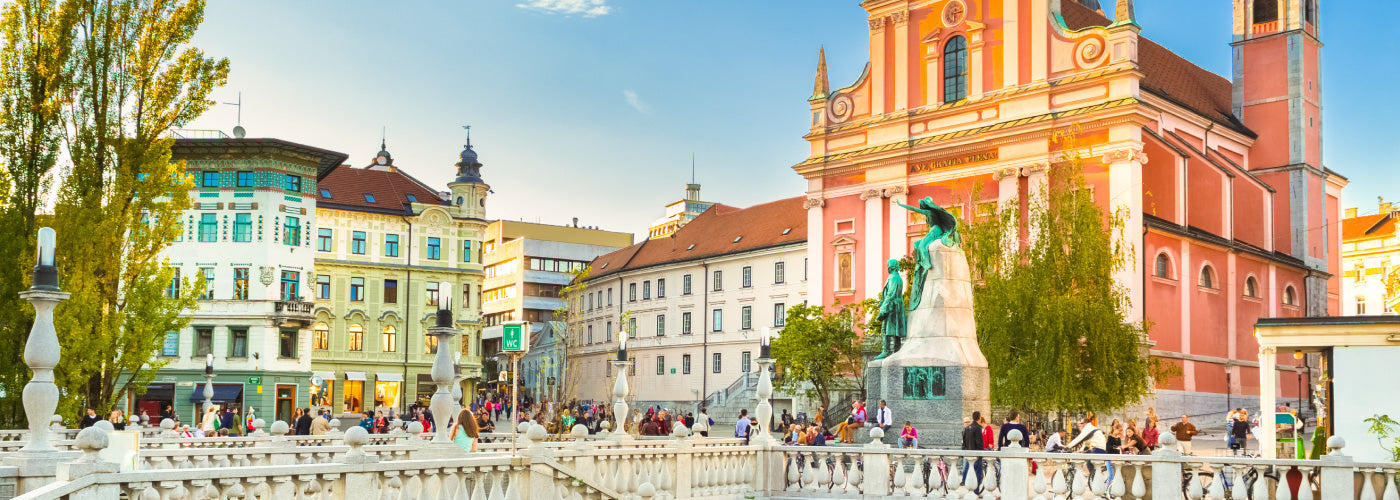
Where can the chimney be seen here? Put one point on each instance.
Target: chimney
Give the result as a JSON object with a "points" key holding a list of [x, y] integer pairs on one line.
{"points": [[1385, 205], [575, 221], [1350, 213]]}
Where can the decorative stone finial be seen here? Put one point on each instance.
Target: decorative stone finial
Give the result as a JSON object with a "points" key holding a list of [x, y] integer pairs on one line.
{"points": [[822, 87], [280, 428], [335, 426], [536, 433], [415, 428], [258, 426], [396, 426], [1014, 437], [356, 438], [579, 431], [523, 427], [105, 425], [91, 441], [680, 432], [876, 434], [1335, 445], [606, 425]]}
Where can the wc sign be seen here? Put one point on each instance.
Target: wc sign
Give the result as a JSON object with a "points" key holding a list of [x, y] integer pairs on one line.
{"points": [[513, 337]]}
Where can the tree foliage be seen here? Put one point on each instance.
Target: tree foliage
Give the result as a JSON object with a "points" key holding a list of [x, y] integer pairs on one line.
{"points": [[104, 82], [35, 77], [1051, 320], [821, 351]]}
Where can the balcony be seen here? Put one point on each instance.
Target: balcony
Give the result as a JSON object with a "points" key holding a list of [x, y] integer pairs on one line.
{"points": [[289, 312]]}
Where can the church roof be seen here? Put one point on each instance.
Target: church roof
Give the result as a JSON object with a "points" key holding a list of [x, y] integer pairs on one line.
{"points": [[374, 190], [1170, 76], [721, 230]]}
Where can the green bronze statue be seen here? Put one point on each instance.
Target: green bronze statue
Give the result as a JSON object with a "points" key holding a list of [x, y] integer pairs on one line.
{"points": [[893, 317], [942, 226]]}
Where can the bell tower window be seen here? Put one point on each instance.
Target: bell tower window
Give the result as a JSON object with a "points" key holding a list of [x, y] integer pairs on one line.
{"points": [[1265, 11], [955, 69]]}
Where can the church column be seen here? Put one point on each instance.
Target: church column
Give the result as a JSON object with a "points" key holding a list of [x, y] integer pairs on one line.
{"points": [[1268, 390], [899, 222], [877, 66], [1011, 46], [902, 99], [874, 242], [1125, 191], [1037, 182], [816, 251], [933, 93], [974, 59], [1008, 195]]}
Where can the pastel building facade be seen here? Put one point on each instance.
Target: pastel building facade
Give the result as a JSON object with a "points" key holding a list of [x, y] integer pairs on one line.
{"points": [[389, 251], [248, 234], [695, 305], [1370, 256], [1231, 214]]}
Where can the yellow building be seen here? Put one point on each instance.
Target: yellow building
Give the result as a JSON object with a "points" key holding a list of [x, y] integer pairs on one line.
{"points": [[527, 266], [679, 213], [1370, 254], [389, 251]]}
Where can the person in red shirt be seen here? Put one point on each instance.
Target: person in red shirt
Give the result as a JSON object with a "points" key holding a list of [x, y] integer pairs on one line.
{"points": [[989, 440]]}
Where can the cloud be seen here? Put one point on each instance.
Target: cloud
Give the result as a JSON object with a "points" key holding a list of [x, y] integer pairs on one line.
{"points": [[635, 101], [585, 8]]}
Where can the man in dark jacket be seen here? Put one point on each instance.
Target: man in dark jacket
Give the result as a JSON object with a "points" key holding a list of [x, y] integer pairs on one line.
{"points": [[1013, 422], [89, 419], [972, 441], [304, 423]]}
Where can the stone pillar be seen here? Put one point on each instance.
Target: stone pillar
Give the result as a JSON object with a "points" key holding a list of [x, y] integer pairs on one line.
{"points": [[1008, 196], [873, 243], [1268, 390], [816, 232], [877, 482], [1125, 192], [933, 73], [878, 71], [1037, 182], [1015, 472], [1169, 467], [442, 376], [899, 222], [764, 410], [902, 99], [620, 408], [41, 354], [1338, 482]]}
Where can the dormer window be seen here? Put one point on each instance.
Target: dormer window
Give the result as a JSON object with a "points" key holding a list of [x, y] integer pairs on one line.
{"points": [[326, 193], [369, 198], [411, 198], [737, 238], [786, 231]]}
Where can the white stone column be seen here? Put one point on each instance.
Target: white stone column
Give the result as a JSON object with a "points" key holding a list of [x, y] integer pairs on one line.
{"points": [[816, 250], [1037, 184], [620, 408], [443, 376], [764, 410], [1268, 389], [899, 222], [1008, 196], [873, 243], [41, 354], [1125, 191]]}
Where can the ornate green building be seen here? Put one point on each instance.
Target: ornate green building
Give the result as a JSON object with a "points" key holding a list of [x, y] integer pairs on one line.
{"points": [[389, 251]]}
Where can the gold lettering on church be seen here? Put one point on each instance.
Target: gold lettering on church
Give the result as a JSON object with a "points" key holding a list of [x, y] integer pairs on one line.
{"points": [[968, 159]]}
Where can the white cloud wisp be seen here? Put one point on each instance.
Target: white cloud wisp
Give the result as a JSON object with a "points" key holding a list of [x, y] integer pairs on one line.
{"points": [[635, 101], [585, 8]]}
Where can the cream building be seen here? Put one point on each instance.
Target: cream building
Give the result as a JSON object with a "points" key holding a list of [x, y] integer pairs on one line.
{"points": [[1370, 254], [680, 213], [696, 304], [389, 250]]}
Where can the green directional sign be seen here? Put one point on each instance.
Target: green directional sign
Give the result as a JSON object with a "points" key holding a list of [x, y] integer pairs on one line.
{"points": [[513, 337], [254, 380]]}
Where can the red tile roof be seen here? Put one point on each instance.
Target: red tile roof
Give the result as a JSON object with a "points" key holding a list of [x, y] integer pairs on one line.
{"points": [[390, 188], [1368, 226], [714, 233], [1170, 76]]}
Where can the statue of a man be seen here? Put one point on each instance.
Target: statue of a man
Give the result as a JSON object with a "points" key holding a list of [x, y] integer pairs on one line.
{"points": [[892, 316], [942, 226]]}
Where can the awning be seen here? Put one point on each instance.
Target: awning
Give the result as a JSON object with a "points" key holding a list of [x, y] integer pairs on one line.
{"points": [[325, 376], [222, 393], [355, 376], [389, 377]]}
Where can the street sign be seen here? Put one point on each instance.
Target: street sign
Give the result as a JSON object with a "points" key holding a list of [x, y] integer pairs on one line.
{"points": [[513, 337], [673, 371], [254, 380]]}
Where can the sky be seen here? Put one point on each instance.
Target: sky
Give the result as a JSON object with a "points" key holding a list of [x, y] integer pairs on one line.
{"points": [[594, 108]]}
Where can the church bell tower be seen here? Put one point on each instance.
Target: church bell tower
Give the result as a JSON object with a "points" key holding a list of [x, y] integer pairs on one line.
{"points": [[468, 189]]}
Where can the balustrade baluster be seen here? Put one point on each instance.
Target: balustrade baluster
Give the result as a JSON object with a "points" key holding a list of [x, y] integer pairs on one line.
{"points": [[1194, 491], [1038, 483], [1283, 491], [794, 472], [513, 487], [1305, 485], [497, 491], [809, 473], [1081, 479], [990, 485], [232, 488], [1139, 490], [1098, 487], [1216, 491], [478, 485], [823, 474], [1059, 484], [838, 473], [1390, 493], [1238, 491], [1368, 491]]}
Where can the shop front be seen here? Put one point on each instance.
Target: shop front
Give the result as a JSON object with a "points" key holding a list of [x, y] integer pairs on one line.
{"points": [[225, 396], [388, 388], [321, 390], [156, 403]]}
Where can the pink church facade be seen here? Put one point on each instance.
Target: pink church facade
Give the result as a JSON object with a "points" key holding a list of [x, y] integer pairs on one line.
{"points": [[1232, 216]]}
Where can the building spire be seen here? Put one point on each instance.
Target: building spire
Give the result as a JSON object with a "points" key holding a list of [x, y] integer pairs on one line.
{"points": [[821, 88], [1124, 13], [469, 135]]}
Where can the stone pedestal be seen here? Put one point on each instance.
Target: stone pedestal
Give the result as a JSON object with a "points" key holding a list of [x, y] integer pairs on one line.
{"points": [[939, 375]]}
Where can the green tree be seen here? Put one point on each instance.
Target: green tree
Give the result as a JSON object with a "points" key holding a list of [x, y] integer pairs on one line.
{"points": [[120, 202], [821, 351], [35, 77], [1051, 320]]}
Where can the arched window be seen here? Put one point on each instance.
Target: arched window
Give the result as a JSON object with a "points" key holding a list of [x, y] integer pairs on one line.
{"points": [[1265, 11], [1207, 277], [955, 69], [1290, 297], [1251, 287], [357, 337], [321, 337], [388, 341], [1164, 266]]}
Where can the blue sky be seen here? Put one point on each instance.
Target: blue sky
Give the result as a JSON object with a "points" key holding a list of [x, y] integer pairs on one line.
{"points": [[592, 108]]}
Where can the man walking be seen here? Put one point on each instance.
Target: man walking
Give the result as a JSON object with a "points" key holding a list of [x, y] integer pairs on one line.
{"points": [[741, 428], [1184, 431], [1013, 422], [303, 424], [972, 441]]}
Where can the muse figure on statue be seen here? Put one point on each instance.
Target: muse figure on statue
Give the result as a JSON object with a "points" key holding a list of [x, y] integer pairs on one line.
{"points": [[892, 315], [942, 226]]}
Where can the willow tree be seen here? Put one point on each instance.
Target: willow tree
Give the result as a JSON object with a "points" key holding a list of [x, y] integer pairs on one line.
{"points": [[36, 69], [121, 199], [1051, 319]]}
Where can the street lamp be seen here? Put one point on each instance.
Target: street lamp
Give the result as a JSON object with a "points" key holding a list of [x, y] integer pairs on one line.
{"points": [[208, 382], [41, 350], [764, 412]]}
